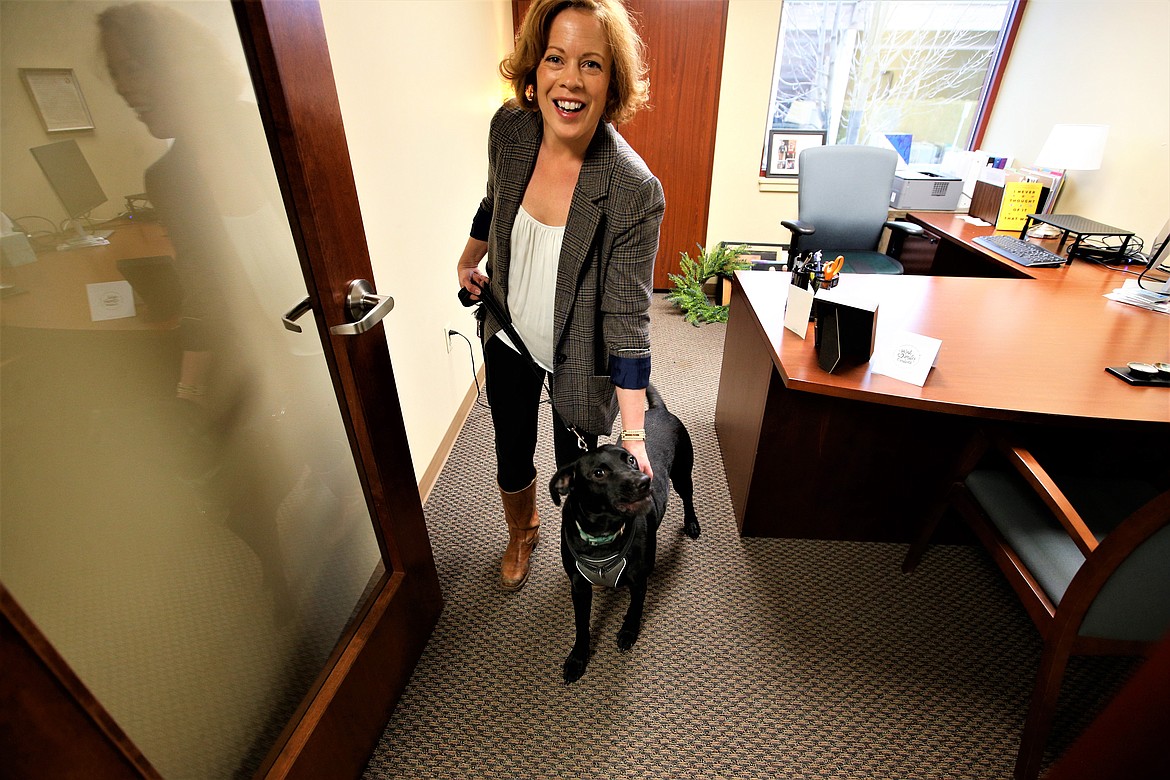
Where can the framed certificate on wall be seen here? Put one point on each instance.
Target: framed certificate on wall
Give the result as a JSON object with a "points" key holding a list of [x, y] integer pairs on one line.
{"points": [[58, 99]]}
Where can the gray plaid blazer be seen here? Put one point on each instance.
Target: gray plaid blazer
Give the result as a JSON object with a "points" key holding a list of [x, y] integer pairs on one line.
{"points": [[606, 267]]}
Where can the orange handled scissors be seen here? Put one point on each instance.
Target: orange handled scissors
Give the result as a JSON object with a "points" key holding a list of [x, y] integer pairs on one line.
{"points": [[834, 268]]}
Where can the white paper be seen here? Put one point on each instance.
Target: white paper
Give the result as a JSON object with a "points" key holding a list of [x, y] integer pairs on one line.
{"points": [[110, 300], [797, 310], [1132, 293], [994, 176], [904, 356]]}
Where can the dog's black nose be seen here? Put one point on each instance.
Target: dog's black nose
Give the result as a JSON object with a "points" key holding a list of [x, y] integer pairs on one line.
{"points": [[639, 484]]}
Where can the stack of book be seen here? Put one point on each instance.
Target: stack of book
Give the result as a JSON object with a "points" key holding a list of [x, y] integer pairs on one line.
{"points": [[1050, 180], [1006, 196]]}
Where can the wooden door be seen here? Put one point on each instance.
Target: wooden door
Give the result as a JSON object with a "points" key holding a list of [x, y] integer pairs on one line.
{"points": [[676, 136], [49, 718], [340, 725]]}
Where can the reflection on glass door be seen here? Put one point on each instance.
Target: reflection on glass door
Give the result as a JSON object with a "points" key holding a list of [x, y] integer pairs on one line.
{"points": [[181, 515]]}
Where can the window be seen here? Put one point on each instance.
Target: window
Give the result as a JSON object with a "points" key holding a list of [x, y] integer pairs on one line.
{"points": [[913, 73]]}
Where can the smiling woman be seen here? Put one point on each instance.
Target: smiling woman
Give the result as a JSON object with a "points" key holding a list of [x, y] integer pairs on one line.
{"points": [[572, 82], [629, 87], [569, 228]]}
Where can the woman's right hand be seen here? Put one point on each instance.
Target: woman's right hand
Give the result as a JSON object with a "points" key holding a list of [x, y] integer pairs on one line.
{"points": [[470, 278]]}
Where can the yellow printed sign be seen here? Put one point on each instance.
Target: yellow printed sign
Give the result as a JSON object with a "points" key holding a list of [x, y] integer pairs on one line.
{"points": [[1020, 199]]}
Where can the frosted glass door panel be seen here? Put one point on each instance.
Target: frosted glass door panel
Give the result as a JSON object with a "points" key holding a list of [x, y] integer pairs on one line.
{"points": [[181, 514]]}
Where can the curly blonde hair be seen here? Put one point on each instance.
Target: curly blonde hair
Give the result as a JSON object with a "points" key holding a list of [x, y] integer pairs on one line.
{"points": [[629, 84]]}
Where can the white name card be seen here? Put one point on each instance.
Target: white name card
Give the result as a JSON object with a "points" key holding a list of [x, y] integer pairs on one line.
{"points": [[110, 300], [905, 356], [797, 310]]}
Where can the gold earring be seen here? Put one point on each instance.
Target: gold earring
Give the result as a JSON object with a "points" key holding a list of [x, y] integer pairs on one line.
{"points": [[529, 93]]}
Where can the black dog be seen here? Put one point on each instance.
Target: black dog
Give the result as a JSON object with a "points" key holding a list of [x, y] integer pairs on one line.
{"points": [[610, 521]]}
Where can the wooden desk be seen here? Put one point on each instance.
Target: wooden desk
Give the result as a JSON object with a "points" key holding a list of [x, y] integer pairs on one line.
{"points": [[861, 456], [957, 255], [54, 296], [50, 347]]}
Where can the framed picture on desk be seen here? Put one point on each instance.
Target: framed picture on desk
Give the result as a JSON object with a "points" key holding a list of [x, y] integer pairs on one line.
{"points": [[784, 148]]}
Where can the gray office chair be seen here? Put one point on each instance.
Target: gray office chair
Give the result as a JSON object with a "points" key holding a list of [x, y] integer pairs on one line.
{"points": [[843, 206], [1087, 556]]}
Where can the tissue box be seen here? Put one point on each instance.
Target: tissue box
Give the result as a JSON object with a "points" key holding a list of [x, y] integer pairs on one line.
{"points": [[15, 249]]}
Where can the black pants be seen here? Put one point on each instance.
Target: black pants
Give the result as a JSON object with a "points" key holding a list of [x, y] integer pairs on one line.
{"points": [[513, 390]]}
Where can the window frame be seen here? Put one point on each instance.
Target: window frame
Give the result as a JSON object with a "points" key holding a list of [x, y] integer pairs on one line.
{"points": [[995, 72]]}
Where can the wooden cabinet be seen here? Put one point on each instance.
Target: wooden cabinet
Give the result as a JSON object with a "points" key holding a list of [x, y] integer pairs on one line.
{"points": [[918, 253]]}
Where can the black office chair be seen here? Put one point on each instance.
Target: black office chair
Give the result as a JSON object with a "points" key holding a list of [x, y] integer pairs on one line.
{"points": [[843, 206], [1086, 553]]}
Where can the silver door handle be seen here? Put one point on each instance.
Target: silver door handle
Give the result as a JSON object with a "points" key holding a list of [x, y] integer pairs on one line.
{"points": [[366, 309], [295, 313]]}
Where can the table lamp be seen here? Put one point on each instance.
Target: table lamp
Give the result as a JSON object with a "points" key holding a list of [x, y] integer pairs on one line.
{"points": [[1070, 148]]}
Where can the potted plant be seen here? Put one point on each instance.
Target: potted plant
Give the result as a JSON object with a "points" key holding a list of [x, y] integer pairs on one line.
{"points": [[688, 293]]}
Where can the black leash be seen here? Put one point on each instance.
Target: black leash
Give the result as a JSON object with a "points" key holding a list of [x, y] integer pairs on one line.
{"points": [[488, 298]]}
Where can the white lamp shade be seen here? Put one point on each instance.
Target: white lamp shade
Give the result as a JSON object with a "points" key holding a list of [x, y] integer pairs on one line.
{"points": [[1074, 147]]}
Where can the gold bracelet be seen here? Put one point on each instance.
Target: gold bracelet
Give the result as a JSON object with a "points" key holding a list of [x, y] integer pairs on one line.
{"points": [[638, 434]]}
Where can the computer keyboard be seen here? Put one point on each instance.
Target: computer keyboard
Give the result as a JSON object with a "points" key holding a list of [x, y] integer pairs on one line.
{"points": [[1019, 251]]}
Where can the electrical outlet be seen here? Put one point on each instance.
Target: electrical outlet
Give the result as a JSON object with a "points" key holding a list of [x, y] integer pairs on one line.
{"points": [[447, 336]]}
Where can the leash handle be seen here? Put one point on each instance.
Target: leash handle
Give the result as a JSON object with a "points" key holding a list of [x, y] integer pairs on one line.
{"points": [[488, 299]]}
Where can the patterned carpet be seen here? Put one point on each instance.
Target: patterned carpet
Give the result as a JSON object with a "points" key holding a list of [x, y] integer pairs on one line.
{"points": [[758, 658]]}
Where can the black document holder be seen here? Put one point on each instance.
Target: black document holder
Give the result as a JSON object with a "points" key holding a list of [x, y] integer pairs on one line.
{"points": [[844, 334], [156, 282]]}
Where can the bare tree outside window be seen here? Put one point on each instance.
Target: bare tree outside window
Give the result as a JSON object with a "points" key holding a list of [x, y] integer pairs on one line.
{"points": [[914, 72]]}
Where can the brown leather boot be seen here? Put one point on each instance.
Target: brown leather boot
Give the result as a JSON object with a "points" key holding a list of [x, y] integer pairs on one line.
{"points": [[523, 532]]}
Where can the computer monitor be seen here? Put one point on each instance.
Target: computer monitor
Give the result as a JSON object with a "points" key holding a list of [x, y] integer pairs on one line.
{"points": [[1156, 276], [1160, 250], [77, 188]]}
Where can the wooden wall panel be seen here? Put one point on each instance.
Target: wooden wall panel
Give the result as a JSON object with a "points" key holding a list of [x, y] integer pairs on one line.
{"points": [[676, 136]]}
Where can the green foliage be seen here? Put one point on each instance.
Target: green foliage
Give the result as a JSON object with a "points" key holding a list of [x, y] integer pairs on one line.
{"points": [[688, 292]]}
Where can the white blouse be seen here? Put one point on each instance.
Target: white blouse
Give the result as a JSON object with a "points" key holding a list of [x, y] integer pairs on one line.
{"points": [[532, 285]]}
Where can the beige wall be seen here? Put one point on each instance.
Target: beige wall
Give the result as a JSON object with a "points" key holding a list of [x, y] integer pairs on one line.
{"points": [[1082, 61], [418, 86], [1074, 61], [739, 211]]}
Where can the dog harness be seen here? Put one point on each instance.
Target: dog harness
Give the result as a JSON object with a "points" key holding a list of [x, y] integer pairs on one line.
{"points": [[601, 571]]}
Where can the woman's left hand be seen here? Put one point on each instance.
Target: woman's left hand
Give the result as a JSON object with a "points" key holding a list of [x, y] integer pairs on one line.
{"points": [[638, 450]]}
